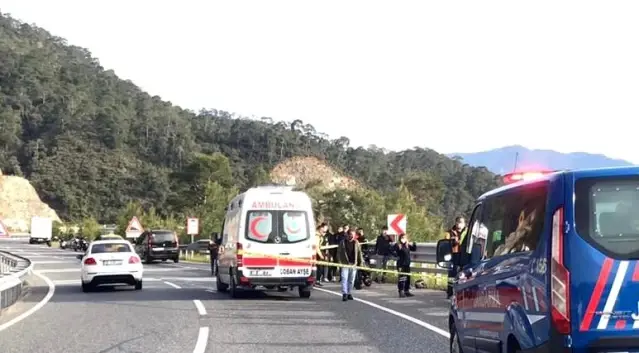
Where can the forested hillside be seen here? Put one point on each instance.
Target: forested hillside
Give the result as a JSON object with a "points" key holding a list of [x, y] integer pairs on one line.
{"points": [[91, 143]]}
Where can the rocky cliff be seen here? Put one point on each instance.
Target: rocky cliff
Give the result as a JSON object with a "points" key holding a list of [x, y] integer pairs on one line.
{"points": [[300, 171], [19, 201]]}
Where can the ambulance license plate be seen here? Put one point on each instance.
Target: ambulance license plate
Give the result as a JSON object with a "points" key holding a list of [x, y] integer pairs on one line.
{"points": [[295, 271]]}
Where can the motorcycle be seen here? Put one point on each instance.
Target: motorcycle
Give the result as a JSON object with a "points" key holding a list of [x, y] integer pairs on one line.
{"points": [[365, 277], [84, 245]]}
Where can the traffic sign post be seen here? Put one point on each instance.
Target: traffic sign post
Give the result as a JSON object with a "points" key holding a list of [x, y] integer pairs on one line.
{"points": [[134, 229], [4, 231], [396, 224], [192, 227]]}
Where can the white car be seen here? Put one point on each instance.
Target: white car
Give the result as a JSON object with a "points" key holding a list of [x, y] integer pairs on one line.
{"points": [[110, 262]]}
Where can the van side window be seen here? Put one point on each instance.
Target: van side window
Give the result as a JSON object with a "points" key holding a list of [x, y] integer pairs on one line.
{"points": [[516, 220], [493, 220]]}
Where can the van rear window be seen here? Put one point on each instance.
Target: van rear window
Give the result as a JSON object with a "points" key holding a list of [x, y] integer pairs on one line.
{"points": [[607, 214], [277, 227]]}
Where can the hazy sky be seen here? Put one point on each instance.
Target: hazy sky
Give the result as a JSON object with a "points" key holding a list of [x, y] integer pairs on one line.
{"points": [[455, 76]]}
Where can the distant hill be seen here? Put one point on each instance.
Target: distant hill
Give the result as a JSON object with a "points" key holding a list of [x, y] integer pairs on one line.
{"points": [[90, 143], [502, 160]]}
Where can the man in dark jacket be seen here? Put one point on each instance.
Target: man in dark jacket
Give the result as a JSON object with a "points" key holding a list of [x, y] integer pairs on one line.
{"points": [[402, 250], [383, 252], [349, 253], [333, 241]]}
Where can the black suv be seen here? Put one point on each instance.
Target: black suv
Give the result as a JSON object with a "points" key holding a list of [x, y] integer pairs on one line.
{"points": [[158, 245]]}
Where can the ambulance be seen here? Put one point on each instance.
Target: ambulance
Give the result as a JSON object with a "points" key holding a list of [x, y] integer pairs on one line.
{"points": [[267, 242]]}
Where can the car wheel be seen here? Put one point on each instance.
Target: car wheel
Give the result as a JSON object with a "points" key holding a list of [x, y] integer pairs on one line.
{"points": [[148, 259], [305, 291], [86, 287], [163, 260], [221, 287], [176, 260], [455, 343], [138, 285]]}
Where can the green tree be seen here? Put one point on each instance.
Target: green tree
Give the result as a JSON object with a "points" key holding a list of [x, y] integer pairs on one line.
{"points": [[90, 228]]}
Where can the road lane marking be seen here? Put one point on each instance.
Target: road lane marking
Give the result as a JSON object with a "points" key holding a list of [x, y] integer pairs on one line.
{"points": [[202, 339], [200, 307], [173, 285], [36, 307], [393, 312]]}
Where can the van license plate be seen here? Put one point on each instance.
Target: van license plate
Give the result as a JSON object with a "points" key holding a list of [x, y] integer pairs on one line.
{"points": [[295, 271], [259, 273]]}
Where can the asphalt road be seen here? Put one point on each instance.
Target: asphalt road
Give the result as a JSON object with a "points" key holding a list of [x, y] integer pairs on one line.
{"points": [[179, 311]]}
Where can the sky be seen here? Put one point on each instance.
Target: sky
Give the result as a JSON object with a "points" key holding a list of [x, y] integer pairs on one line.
{"points": [[454, 76]]}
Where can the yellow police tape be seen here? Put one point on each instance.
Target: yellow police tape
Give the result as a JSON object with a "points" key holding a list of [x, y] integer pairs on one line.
{"points": [[327, 263]]}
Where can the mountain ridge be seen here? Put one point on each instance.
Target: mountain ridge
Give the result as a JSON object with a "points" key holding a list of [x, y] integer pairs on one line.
{"points": [[502, 160]]}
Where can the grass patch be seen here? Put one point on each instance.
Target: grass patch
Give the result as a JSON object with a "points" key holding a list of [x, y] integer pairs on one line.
{"points": [[195, 258]]}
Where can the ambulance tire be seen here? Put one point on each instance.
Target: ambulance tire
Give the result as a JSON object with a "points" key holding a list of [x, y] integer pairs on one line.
{"points": [[305, 291], [220, 287], [233, 288]]}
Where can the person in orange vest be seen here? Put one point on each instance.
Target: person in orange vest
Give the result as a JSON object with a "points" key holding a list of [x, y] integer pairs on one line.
{"points": [[455, 233]]}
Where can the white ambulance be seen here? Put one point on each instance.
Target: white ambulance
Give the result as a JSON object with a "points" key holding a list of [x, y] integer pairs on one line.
{"points": [[264, 228]]}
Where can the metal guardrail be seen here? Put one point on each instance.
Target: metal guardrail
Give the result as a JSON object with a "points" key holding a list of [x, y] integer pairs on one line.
{"points": [[13, 271], [423, 260]]}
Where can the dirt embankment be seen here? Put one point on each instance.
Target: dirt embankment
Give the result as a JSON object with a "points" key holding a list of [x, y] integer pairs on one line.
{"points": [[19, 201], [301, 171]]}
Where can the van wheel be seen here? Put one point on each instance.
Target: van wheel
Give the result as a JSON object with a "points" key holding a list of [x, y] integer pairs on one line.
{"points": [[221, 287], [305, 291], [233, 287], [455, 343]]}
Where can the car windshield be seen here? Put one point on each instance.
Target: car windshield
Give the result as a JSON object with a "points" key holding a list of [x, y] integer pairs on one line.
{"points": [[110, 248], [277, 227], [606, 214]]}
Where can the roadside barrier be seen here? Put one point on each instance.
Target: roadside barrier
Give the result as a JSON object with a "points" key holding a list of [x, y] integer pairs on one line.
{"points": [[13, 271]]}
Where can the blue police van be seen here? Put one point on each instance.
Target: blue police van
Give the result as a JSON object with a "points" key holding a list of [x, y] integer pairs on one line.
{"points": [[549, 264]]}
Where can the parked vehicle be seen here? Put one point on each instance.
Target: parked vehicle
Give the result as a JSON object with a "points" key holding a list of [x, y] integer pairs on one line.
{"points": [[159, 244], [549, 265]]}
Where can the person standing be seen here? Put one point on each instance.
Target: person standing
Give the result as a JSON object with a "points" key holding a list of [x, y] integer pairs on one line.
{"points": [[349, 254], [455, 234], [333, 241], [319, 255], [402, 250], [383, 252]]}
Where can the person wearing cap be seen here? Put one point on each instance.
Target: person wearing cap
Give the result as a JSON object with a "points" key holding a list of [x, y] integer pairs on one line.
{"points": [[402, 250], [349, 253]]}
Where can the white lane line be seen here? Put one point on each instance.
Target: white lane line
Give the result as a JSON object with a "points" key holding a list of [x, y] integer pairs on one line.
{"points": [[202, 340], [393, 312], [172, 285], [200, 307], [36, 307]]}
